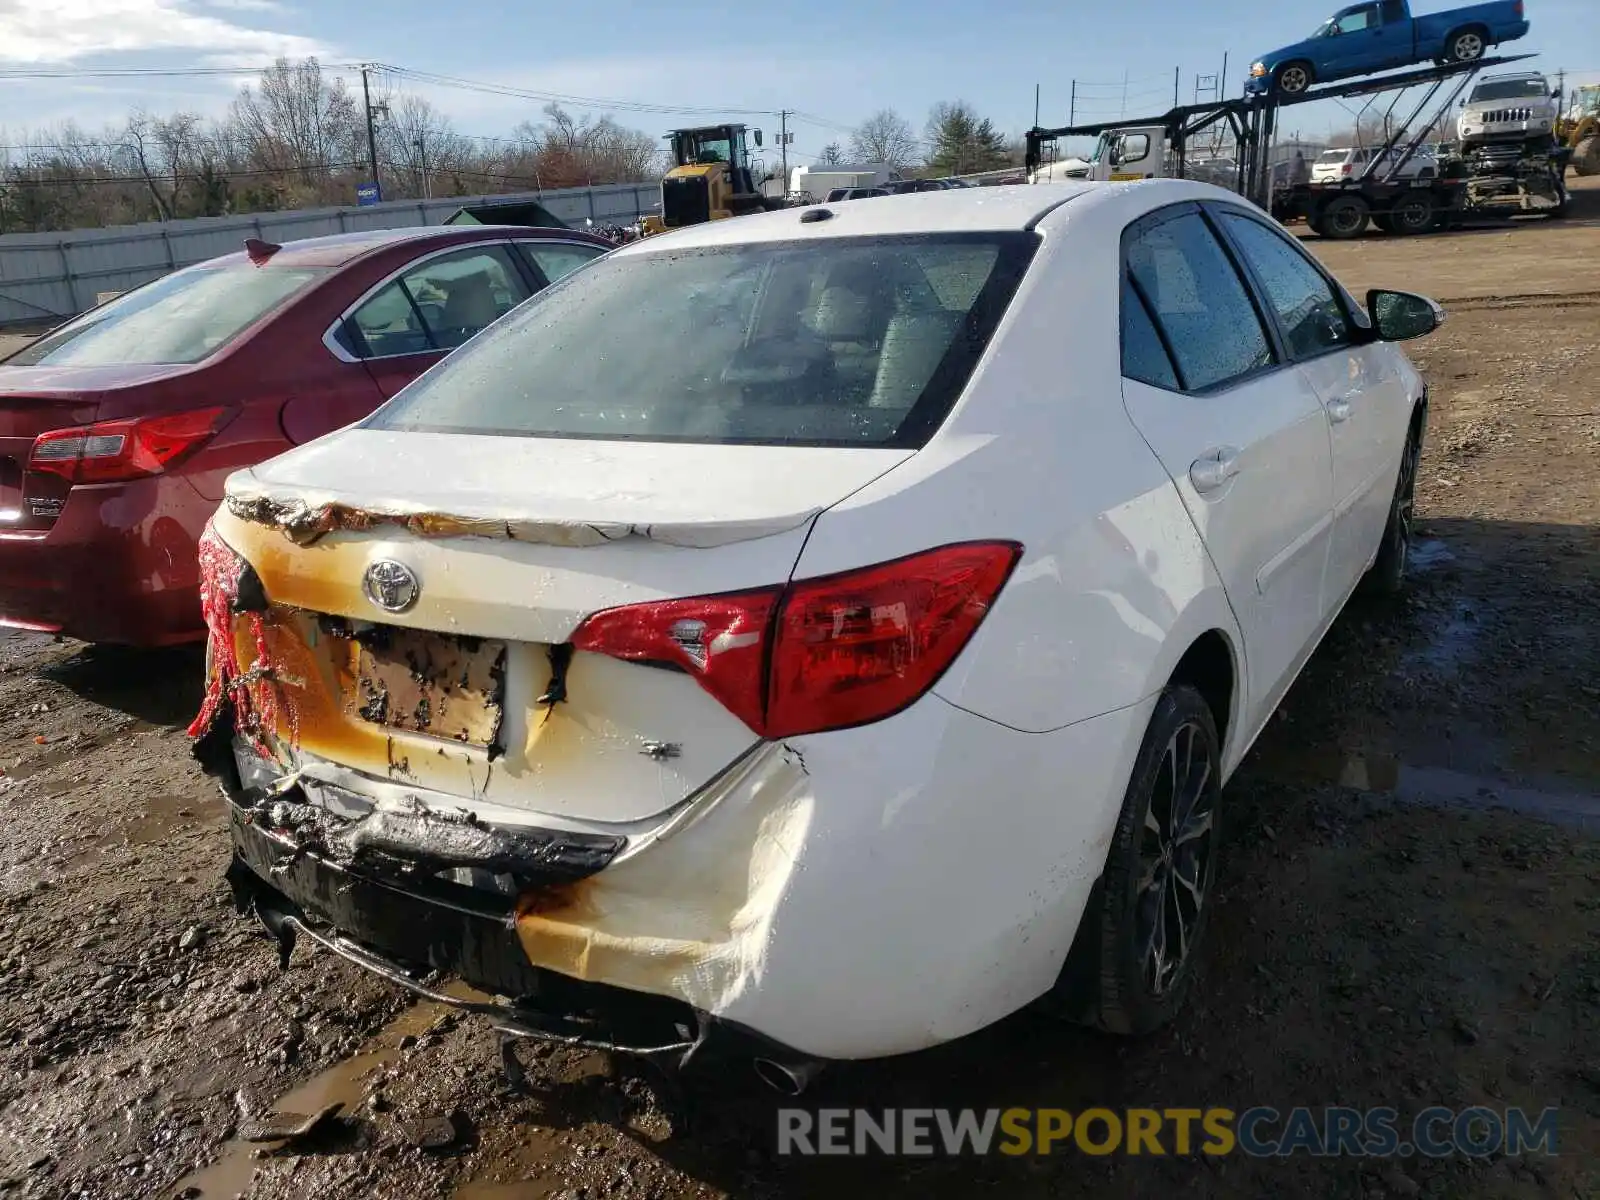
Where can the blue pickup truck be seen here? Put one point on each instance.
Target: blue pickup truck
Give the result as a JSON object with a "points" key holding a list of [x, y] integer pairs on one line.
{"points": [[1382, 35]]}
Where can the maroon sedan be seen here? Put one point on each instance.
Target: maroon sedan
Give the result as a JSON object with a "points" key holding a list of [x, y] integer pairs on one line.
{"points": [[118, 429]]}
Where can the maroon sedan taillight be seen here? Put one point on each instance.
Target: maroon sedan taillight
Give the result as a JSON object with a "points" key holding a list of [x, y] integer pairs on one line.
{"points": [[116, 451]]}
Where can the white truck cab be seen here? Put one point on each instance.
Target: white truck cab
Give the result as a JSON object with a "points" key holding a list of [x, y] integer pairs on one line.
{"points": [[1138, 152]]}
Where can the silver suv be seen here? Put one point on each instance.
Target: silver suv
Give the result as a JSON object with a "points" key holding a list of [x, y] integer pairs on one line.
{"points": [[1507, 107]]}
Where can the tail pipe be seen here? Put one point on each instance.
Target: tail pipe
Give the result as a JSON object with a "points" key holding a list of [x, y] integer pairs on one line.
{"points": [[787, 1076]]}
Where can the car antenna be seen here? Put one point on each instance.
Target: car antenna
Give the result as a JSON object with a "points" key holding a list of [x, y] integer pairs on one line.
{"points": [[259, 251]]}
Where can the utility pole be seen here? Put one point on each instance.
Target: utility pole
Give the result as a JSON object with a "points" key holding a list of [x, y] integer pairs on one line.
{"points": [[1177, 79], [422, 156], [1036, 106], [783, 146], [372, 132], [1072, 106]]}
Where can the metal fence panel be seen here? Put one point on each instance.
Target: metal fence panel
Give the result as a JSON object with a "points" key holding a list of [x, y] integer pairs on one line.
{"points": [[51, 276]]}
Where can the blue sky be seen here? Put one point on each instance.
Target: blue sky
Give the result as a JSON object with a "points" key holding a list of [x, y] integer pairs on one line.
{"points": [[837, 60]]}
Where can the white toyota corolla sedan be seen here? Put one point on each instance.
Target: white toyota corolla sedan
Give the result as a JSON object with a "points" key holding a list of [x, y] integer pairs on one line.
{"points": [[827, 631]]}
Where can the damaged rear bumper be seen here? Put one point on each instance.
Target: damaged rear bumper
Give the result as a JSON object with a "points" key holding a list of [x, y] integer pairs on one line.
{"points": [[854, 895], [413, 936]]}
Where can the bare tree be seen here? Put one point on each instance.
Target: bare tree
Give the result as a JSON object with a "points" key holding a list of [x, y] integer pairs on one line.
{"points": [[417, 143], [597, 149], [885, 137], [296, 120], [295, 138]]}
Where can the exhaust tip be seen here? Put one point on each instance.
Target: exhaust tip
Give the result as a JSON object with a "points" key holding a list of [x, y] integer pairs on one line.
{"points": [[784, 1078]]}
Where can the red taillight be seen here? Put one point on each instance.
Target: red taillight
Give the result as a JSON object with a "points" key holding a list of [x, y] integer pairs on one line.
{"points": [[818, 654], [720, 640], [1346, 169], [113, 451]]}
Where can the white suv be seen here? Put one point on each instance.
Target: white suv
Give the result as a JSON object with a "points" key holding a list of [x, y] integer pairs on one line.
{"points": [[1507, 107], [1344, 164]]}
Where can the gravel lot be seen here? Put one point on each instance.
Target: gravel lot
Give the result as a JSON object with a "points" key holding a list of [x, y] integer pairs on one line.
{"points": [[1409, 912]]}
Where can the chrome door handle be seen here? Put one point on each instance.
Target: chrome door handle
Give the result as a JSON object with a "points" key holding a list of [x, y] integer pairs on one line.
{"points": [[1215, 469], [1339, 410]]}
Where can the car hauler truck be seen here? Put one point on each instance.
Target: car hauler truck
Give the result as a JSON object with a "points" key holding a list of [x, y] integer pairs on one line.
{"points": [[1488, 181]]}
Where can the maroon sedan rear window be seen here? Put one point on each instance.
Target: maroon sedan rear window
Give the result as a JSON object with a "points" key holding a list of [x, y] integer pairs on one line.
{"points": [[181, 318]]}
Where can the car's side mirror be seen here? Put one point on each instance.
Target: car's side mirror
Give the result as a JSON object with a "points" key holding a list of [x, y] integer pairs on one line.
{"points": [[1401, 316]]}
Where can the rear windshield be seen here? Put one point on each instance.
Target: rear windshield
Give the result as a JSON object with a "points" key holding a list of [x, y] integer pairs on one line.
{"points": [[843, 342], [1333, 156], [1509, 89], [180, 318]]}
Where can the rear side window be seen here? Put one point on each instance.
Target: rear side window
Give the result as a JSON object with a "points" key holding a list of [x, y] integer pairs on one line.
{"points": [[440, 302], [848, 341], [1199, 301]]}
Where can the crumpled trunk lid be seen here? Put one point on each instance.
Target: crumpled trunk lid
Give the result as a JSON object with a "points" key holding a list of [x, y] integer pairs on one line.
{"points": [[471, 690]]}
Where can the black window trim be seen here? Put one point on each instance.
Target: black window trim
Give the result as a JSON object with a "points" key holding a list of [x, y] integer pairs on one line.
{"points": [[1161, 335], [330, 336], [1264, 316], [1216, 210]]}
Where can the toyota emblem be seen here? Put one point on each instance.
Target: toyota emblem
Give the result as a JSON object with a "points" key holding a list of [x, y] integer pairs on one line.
{"points": [[392, 586]]}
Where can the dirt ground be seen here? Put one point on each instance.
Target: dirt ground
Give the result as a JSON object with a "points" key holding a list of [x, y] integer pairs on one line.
{"points": [[1409, 913]]}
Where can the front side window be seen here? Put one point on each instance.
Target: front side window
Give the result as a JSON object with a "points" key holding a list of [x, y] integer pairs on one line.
{"points": [[1309, 313], [1355, 22], [1196, 296], [555, 259], [858, 341], [440, 302], [182, 318]]}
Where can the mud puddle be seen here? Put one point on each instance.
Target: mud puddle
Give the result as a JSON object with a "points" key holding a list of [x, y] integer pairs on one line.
{"points": [[347, 1084], [526, 1172], [1386, 776]]}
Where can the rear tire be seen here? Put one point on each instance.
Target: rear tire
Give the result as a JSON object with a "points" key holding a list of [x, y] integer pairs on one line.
{"points": [[1465, 45], [1412, 214], [1344, 217], [1133, 958]]}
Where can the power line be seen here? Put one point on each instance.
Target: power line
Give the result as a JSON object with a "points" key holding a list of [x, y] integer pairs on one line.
{"points": [[813, 119], [158, 72], [500, 89]]}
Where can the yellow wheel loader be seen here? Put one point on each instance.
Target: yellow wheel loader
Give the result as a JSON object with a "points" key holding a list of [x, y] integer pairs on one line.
{"points": [[1580, 129], [711, 179]]}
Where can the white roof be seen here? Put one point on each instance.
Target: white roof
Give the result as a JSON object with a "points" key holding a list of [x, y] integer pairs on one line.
{"points": [[949, 211]]}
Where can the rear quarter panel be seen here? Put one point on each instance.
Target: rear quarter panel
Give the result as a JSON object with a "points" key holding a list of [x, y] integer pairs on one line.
{"points": [[1114, 583], [1500, 18]]}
